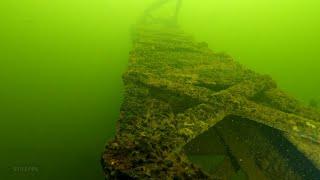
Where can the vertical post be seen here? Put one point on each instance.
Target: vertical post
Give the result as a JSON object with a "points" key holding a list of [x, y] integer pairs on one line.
{"points": [[157, 4], [176, 13]]}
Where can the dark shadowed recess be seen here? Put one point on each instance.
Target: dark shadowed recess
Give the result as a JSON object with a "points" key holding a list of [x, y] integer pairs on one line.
{"points": [[240, 146]]}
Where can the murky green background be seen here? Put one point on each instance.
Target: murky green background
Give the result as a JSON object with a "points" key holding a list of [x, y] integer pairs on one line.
{"points": [[61, 63]]}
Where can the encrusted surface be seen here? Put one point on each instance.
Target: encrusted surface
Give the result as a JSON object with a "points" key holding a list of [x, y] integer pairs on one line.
{"points": [[176, 89]]}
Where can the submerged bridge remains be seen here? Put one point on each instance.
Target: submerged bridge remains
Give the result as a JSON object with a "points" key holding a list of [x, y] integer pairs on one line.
{"points": [[177, 88]]}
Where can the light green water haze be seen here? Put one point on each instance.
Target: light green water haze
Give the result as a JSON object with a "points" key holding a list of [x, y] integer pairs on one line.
{"points": [[61, 63]]}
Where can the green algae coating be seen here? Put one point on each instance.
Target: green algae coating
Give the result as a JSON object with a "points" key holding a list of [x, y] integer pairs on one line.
{"points": [[176, 89]]}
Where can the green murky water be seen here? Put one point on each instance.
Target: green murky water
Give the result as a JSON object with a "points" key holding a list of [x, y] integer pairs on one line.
{"points": [[61, 64]]}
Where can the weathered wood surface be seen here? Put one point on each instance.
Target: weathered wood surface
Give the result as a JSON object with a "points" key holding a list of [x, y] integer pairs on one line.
{"points": [[176, 89]]}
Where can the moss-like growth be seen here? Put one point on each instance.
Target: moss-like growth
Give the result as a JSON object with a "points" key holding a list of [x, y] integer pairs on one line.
{"points": [[176, 89]]}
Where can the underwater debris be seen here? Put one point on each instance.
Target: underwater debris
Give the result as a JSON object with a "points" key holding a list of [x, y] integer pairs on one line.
{"points": [[176, 89]]}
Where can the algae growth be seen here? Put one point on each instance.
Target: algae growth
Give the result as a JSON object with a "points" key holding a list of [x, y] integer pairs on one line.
{"points": [[176, 89]]}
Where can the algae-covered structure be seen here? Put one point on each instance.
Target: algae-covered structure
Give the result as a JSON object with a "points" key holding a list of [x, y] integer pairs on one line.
{"points": [[183, 100]]}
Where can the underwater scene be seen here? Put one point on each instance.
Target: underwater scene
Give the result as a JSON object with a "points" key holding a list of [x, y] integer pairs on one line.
{"points": [[160, 89]]}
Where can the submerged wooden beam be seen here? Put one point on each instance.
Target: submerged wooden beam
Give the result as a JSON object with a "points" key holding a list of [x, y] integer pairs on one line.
{"points": [[176, 89]]}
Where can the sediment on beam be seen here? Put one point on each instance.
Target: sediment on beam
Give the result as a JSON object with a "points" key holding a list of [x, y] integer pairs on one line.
{"points": [[276, 98], [197, 120], [310, 149], [285, 122]]}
